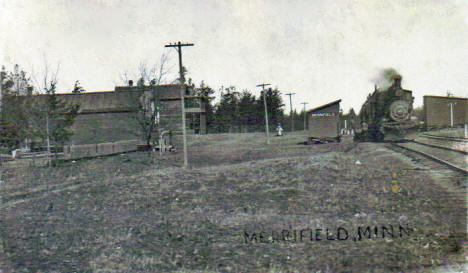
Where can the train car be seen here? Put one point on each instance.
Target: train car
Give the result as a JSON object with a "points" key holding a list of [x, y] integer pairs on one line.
{"points": [[324, 123], [386, 114]]}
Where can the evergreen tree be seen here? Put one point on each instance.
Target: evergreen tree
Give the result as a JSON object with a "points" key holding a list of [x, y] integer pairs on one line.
{"points": [[60, 118], [141, 82], [49, 118], [207, 94], [248, 116], [227, 114], [77, 89], [14, 111]]}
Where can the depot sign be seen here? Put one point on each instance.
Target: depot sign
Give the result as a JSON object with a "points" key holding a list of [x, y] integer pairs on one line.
{"points": [[323, 114]]}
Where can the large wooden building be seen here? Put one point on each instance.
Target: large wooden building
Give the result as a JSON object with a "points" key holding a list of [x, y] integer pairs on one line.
{"points": [[445, 111], [109, 116]]}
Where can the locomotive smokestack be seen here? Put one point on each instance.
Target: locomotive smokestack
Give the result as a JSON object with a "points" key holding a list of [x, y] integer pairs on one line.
{"points": [[397, 81]]}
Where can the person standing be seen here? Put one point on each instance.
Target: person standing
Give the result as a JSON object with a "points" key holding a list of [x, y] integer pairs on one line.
{"points": [[279, 130]]}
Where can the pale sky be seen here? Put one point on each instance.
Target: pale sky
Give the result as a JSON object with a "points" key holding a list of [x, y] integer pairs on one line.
{"points": [[320, 50]]}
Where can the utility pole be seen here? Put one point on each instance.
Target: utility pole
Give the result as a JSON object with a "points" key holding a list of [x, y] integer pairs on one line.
{"points": [[1, 122], [47, 130], [451, 113], [178, 47], [305, 114], [1, 89], [266, 111], [290, 104]]}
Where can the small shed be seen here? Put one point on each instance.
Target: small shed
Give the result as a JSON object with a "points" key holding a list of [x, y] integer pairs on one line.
{"points": [[324, 123]]}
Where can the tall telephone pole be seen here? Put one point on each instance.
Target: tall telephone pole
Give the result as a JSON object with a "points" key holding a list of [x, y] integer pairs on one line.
{"points": [[305, 114], [266, 111], [1, 89], [290, 104], [452, 104], [1, 121], [178, 47]]}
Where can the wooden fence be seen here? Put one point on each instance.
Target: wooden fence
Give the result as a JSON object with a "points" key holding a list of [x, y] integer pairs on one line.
{"points": [[100, 149]]}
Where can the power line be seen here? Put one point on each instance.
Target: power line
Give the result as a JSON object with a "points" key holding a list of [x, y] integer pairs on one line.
{"points": [[266, 111], [178, 46], [290, 104]]}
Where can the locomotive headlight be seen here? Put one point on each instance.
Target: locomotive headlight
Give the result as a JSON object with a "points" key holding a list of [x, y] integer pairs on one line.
{"points": [[399, 110]]}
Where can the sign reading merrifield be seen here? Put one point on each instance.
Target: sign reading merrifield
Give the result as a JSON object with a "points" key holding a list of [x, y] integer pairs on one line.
{"points": [[327, 234]]}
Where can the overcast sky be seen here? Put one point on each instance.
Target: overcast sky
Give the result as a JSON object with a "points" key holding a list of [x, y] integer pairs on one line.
{"points": [[320, 50]]}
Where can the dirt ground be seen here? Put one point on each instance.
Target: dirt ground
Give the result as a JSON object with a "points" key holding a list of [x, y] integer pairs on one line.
{"points": [[242, 206]]}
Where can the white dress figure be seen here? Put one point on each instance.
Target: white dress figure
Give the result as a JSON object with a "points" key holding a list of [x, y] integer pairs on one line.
{"points": [[279, 130]]}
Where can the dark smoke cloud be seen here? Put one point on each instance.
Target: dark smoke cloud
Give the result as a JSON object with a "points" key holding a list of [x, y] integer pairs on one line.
{"points": [[385, 78]]}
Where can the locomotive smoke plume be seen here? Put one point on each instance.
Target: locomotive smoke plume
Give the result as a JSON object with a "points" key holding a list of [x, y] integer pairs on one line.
{"points": [[385, 78]]}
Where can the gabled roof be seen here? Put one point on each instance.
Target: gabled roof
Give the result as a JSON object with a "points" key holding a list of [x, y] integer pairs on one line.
{"points": [[324, 106]]}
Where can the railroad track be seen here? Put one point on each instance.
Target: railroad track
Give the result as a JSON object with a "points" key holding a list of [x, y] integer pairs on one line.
{"points": [[440, 147], [448, 138], [450, 157]]}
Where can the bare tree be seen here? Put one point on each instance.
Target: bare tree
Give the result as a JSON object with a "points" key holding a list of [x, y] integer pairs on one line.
{"points": [[51, 118], [148, 74], [125, 77], [148, 104], [45, 83]]}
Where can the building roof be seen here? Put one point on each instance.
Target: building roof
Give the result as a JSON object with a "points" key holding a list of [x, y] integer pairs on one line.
{"points": [[445, 97], [96, 102], [324, 106], [123, 99]]}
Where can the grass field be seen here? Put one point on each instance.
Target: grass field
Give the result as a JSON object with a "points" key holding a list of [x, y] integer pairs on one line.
{"points": [[242, 206]]}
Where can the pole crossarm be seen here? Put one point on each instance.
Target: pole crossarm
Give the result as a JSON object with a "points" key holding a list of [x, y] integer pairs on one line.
{"points": [[178, 44], [263, 85]]}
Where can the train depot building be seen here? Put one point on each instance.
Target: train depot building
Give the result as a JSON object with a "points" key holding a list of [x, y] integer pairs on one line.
{"points": [[324, 123]]}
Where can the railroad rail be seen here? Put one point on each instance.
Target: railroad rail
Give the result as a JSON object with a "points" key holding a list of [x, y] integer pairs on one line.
{"points": [[440, 147], [449, 138], [432, 154]]}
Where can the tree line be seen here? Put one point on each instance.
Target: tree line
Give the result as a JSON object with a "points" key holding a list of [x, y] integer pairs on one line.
{"points": [[49, 120], [240, 111], [24, 120]]}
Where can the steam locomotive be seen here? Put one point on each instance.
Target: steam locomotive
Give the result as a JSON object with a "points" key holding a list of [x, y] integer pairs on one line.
{"points": [[386, 114]]}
